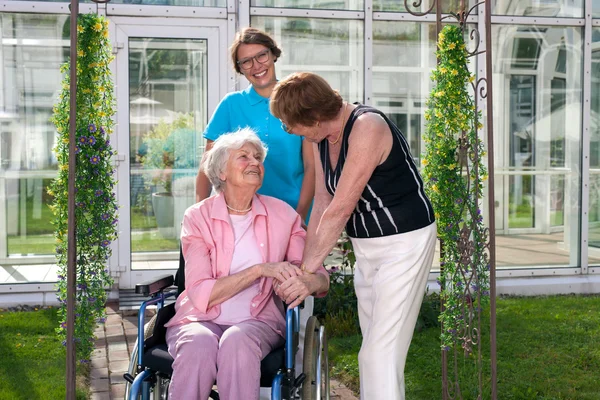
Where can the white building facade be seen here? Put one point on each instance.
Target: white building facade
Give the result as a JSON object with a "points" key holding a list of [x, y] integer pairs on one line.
{"points": [[172, 67]]}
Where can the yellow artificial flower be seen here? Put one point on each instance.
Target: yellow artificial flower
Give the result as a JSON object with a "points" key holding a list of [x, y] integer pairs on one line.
{"points": [[101, 88], [452, 167], [80, 53], [452, 46], [472, 78], [102, 114], [435, 188], [454, 72], [443, 70], [105, 33], [66, 140], [86, 91], [64, 167], [440, 93], [97, 27], [80, 29], [424, 161]]}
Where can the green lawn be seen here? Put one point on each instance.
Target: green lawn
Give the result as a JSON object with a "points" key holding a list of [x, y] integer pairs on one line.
{"points": [[33, 359], [548, 348]]}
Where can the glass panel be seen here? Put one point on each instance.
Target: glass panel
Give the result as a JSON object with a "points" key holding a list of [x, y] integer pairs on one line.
{"points": [[188, 3], [539, 8], [311, 4], [398, 5], [403, 56], [167, 115], [33, 48], [331, 48], [537, 134], [594, 207]]}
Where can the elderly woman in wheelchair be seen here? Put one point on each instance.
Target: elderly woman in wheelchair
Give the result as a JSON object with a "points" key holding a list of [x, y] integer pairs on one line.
{"points": [[238, 248]]}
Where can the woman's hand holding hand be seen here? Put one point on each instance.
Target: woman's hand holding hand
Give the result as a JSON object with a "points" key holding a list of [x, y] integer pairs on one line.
{"points": [[281, 271], [293, 291]]}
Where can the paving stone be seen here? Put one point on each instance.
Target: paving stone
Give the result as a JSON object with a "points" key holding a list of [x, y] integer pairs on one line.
{"points": [[118, 390], [99, 353], [118, 366], [101, 396], [114, 330], [99, 363], [99, 385], [99, 373], [112, 319], [118, 355], [118, 346], [117, 377]]}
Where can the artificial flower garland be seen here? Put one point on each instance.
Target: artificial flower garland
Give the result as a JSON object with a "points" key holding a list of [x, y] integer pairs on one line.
{"points": [[454, 174], [96, 208]]}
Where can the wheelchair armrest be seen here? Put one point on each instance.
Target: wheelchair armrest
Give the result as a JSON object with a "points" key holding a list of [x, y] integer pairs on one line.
{"points": [[155, 285]]}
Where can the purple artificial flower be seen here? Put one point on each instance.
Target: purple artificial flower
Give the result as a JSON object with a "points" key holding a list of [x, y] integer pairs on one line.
{"points": [[94, 160], [81, 286], [91, 140], [115, 221], [105, 243], [102, 131], [105, 216], [83, 140], [98, 192], [92, 128], [77, 150]]}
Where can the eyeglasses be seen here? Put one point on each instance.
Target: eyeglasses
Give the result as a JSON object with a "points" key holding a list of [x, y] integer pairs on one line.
{"points": [[261, 58], [286, 128]]}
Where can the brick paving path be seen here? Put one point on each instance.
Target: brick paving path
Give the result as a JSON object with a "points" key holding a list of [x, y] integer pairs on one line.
{"points": [[110, 360]]}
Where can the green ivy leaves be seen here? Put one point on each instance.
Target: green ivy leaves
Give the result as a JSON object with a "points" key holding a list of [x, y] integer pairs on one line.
{"points": [[96, 206], [454, 174]]}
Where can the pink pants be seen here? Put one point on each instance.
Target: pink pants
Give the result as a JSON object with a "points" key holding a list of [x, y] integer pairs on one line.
{"points": [[204, 352]]}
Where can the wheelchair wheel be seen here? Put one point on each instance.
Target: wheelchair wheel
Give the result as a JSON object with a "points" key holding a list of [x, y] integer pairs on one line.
{"points": [[134, 354], [316, 368]]}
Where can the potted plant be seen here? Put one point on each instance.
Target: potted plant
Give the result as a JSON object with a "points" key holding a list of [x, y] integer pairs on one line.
{"points": [[169, 155]]}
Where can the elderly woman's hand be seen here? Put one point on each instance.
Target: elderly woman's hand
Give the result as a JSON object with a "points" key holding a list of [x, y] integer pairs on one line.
{"points": [[281, 271], [293, 291]]}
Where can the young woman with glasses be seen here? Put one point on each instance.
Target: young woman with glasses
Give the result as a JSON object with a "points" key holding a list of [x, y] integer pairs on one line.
{"points": [[289, 167]]}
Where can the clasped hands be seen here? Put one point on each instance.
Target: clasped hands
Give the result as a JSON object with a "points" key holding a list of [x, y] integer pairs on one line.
{"points": [[290, 283]]}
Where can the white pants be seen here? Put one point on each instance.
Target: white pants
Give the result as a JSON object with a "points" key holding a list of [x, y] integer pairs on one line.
{"points": [[390, 278]]}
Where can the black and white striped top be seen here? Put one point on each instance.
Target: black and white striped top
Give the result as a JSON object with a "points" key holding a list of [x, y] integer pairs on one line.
{"points": [[394, 200]]}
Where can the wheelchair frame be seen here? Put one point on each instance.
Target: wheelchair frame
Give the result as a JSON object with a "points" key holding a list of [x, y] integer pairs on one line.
{"points": [[286, 385]]}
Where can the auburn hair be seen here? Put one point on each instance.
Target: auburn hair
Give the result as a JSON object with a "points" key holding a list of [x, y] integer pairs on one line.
{"points": [[304, 98]]}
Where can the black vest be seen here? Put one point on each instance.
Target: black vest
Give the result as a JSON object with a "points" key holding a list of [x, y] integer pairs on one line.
{"points": [[394, 200]]}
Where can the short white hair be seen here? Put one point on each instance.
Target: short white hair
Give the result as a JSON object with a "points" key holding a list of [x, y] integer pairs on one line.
{"points": [[215, 160]]}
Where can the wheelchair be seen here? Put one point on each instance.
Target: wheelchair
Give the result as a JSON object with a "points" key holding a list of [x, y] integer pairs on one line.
{"points": [[150, 367]]}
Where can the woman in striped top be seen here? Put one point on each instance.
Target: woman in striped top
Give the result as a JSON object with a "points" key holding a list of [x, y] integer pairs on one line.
{"points": [[368, 183]]}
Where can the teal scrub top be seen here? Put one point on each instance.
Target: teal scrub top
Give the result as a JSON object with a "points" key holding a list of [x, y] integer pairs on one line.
{"points": [[284, 169]]}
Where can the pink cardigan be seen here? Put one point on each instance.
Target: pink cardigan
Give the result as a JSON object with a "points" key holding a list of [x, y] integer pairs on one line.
{"points": [[207, 241]]}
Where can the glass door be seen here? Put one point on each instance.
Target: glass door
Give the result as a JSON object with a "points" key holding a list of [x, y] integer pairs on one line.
{"points": [[166, 90]]}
